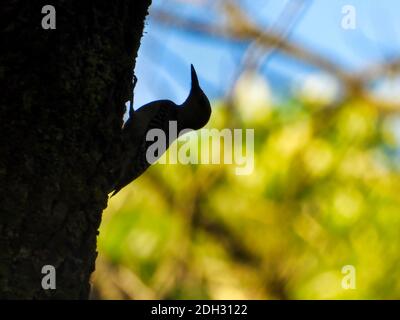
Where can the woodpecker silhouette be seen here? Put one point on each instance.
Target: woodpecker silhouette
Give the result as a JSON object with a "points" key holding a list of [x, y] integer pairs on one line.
{"points": [[193, 114]]}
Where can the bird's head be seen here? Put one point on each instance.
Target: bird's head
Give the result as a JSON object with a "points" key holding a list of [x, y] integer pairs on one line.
{"points": [[196, 110]]}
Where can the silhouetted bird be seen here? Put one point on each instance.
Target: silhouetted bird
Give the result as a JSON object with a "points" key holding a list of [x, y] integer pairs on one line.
{"points": [[193, 114]]}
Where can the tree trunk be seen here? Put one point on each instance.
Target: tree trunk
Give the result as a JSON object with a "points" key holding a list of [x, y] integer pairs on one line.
{"points": [[61, 108]]}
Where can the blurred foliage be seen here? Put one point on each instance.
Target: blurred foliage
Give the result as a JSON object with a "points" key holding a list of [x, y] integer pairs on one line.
{"points": [[323, 194]]}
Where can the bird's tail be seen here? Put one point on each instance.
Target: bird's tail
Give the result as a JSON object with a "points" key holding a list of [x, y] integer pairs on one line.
{"points": [[115, 192]]}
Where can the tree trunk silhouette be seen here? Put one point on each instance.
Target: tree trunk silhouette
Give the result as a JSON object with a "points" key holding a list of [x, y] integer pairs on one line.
{"points": [[62, 101]]}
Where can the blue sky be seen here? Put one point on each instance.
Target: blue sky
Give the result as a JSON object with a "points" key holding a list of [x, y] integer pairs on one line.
{"points": [[163, 63]]}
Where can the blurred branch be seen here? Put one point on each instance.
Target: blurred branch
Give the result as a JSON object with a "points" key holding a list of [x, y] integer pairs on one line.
{"points": [[120, 282], [380, 69], [244, 30], [193, 211], [229, 240], [254, 55], [241, 28], [281, 27]]}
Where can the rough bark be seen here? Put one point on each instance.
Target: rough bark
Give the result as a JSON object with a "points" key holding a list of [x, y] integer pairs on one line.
{"points": [[61, 107]]}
